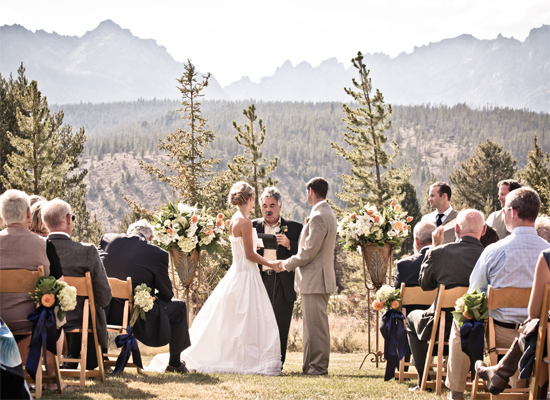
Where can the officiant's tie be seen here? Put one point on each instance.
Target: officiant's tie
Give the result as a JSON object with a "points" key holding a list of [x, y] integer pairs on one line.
{"points": [[439, 218]]}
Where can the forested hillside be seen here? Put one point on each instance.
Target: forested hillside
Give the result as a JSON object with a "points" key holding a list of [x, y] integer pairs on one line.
{"points": [[433, 139]]}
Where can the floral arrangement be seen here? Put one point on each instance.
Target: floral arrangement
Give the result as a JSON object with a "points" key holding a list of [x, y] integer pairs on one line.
{"points": [[370, 225], [387, 298], [282, 230], [50, 292], [143, 302], [189, 229], [471, 306]]}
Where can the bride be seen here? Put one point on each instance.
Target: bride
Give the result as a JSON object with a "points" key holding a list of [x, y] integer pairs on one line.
{"points": [[235, 331]]}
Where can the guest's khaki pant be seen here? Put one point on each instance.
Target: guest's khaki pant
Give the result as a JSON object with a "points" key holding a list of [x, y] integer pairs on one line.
{"points": [[458, 364], [316, 333]]}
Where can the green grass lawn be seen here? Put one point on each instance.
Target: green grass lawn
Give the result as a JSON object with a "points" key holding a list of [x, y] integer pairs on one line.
{"points": [[345, 381]]}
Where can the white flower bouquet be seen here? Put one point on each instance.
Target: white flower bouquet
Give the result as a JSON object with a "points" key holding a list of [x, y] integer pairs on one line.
{"points": [[387, 298], [189, 229], [143, 302], [370, 225], [50, 292]]}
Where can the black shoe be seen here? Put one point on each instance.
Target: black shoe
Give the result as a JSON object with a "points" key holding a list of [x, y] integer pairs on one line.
{"points": [[182, 369]]}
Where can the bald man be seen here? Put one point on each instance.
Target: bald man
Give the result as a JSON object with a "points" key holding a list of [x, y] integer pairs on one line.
{"points": [[450, 264]]}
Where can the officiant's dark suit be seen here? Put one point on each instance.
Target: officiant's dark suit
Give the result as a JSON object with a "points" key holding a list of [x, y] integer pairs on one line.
{"points": [[280, 286], [449, 264], [132, 256]]}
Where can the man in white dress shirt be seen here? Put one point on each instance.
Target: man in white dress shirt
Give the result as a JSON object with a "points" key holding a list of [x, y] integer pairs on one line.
{"points": [[439, 198]]}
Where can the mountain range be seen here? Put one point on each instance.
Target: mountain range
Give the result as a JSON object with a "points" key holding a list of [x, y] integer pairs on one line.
{"points": [[110, 64]]}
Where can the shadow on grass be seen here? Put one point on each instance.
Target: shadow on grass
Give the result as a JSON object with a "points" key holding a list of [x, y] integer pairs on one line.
{"points": [[119, 385], [331, 375]]}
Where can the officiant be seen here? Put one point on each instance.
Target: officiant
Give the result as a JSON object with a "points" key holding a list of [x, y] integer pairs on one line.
{"points": [[279, 286]]}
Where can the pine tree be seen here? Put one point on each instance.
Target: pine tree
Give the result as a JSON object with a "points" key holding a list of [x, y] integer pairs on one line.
{"points": [[475, 182], [10, 95], [188, 171], [251, 166], [537, 171], [409, 203], [366, 154], [46, 158], [536, 174]]}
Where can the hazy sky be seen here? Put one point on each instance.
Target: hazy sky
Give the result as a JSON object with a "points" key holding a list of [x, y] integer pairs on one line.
{"points": [[253, 37]]}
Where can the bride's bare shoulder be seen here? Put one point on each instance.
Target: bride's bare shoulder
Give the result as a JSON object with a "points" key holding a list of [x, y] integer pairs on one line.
{"points": [[240, 225]]}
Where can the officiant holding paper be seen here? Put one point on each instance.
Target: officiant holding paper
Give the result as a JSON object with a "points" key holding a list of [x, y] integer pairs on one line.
{"points": [[281, 242]]}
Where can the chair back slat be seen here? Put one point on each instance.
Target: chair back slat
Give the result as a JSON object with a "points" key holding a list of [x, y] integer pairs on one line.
{"points": [[448, 297], [417, 296], [79, 283], [19, 280], [121, 289], [509, 297]]}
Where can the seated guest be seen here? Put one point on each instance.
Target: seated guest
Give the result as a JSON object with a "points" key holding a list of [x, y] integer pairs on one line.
{"points": [[36, 198], [19, 249], [542, 225], [510, 262], [38, 227], [408, 269], [132, 255], [77, 259], [499, 375], [449, 264], [489, 237]]}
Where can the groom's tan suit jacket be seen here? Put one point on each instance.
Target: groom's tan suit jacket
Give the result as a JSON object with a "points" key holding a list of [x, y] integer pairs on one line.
{"points": [[314, 263]]}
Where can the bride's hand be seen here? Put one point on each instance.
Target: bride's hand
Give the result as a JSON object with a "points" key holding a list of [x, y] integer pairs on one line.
{"points": [[277, 266]]}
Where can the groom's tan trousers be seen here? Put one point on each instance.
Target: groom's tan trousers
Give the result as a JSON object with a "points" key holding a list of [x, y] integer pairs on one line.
{"points": [[316, 333]]}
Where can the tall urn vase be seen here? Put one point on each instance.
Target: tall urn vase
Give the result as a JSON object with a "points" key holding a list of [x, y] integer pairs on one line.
{"points": [[377, 262], [188, 268]]}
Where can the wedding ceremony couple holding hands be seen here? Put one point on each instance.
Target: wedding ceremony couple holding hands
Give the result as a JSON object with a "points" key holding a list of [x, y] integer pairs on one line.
{"points": [[243, 329]]}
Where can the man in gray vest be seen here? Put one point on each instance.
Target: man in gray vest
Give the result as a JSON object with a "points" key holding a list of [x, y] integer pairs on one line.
{"points": [[496, 219], [444, 215]]}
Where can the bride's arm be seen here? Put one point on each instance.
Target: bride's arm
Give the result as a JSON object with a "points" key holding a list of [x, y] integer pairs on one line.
{"points": [[248, 241]]}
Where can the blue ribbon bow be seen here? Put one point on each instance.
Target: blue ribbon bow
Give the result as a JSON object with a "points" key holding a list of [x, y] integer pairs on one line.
{"points": [[395, 340], [472, 335], [129, 345], [44, 337]]}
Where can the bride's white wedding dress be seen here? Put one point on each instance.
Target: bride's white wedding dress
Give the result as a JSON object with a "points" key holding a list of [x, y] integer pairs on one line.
{"points": [[235, 331]]}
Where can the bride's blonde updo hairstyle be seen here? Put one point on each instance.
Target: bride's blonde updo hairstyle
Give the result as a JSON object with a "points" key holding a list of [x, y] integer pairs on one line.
{"points": [[240, 193]]}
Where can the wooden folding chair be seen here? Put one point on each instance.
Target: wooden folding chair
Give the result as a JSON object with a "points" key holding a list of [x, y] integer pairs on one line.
{"points": [[412, 296], [121, 290], [23, 281], [541, 343], [445, 299], [84, 289], [509, 297]]}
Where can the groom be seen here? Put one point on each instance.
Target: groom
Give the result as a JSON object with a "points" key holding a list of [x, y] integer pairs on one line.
{"points": [[315, 278]]}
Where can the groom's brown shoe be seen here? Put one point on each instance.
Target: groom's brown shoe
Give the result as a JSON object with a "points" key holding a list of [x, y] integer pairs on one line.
{"points": [[182, 369]]}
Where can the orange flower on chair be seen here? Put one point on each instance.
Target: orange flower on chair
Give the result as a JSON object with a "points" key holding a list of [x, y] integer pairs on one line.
{"points": [[48, 300]]}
